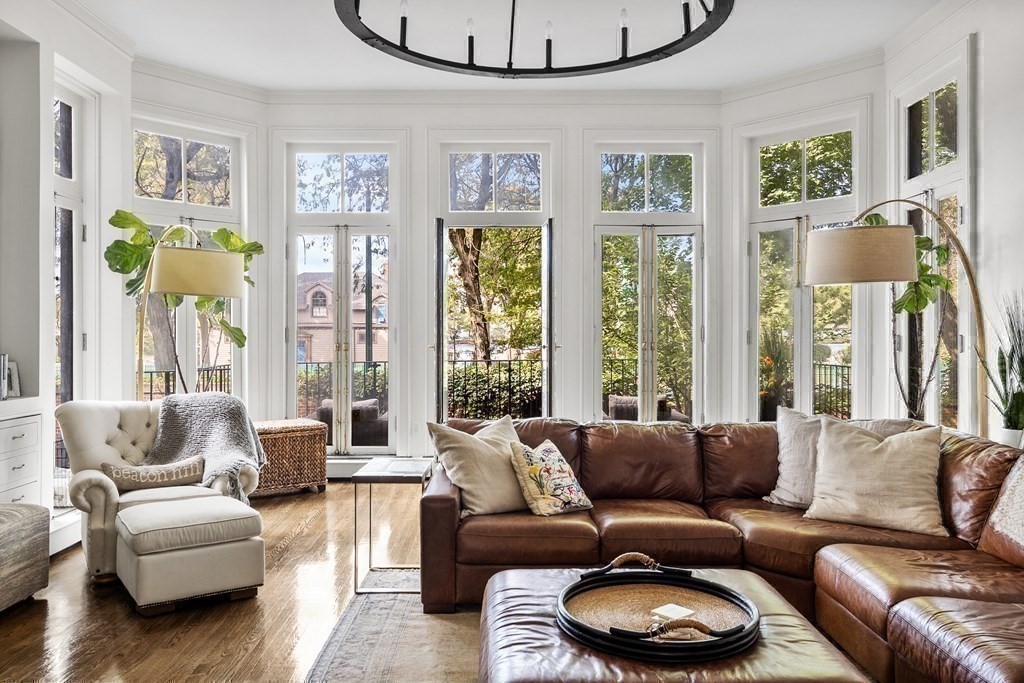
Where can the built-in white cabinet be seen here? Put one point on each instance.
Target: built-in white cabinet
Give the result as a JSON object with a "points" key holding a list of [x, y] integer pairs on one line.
{"points": [[20, 459]]}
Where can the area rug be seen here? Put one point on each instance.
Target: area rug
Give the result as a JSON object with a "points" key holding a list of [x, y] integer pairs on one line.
{"points": [[386, 637]]}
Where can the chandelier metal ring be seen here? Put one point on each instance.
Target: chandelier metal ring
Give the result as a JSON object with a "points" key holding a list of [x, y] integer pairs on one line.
{"points": [[714, 16]]}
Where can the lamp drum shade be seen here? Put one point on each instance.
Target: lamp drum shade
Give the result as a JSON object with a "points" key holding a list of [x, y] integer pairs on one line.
{"points": [[197, 272], [863, 253]]}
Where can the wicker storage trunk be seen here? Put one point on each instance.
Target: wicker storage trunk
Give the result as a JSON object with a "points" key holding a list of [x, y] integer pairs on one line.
{"points": [[296, 455]]}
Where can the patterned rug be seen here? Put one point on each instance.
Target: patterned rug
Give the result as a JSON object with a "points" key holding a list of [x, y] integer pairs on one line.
{"points": [[386, 637]]}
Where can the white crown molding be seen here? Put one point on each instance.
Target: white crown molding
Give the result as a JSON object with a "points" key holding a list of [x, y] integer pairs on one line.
{"points": [[838, 67], [196, 79], [498, 97], [88, 18], [945, 11]]}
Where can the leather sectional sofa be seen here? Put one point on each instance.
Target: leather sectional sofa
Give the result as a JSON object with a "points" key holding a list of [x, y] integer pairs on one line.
{"points": [[904, 606]]}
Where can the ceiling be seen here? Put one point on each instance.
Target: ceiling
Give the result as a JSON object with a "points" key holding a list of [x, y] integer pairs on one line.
{"points": [[301, 44]]}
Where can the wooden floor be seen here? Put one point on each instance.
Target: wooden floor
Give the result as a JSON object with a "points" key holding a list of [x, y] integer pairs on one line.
{"points": [[76, 630]]}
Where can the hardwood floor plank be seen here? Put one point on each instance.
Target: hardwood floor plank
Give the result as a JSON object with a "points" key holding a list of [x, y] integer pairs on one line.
{"points": [[78, 631]]}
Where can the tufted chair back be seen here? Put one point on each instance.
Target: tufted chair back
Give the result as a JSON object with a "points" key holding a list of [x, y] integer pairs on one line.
{"points": [[115, 432]]}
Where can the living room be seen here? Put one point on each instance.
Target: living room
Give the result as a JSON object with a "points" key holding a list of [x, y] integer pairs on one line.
{"points": [[740, 273]]}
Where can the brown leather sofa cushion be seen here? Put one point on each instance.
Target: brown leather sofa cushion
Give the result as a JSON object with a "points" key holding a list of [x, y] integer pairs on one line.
{"points": [[740, 460], [623, 460], [971, 473], [949, 639], [868, 581], [781, 539], [670, 531], [563, 433], [523, 538]]}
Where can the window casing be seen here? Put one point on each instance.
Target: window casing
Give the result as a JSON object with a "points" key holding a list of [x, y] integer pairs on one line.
{"points": [[342, 206], [803, 340], [184, 174], [649, 247]]}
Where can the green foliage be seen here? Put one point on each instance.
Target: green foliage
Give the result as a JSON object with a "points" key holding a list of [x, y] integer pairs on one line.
{"points": [[930, 282], [775, 367], [1008, 379], [487, 391], [132, 256]]}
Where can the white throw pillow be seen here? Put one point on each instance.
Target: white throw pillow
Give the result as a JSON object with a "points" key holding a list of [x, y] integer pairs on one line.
{"points": [[798, 452], [892, 483], [481, 465]]}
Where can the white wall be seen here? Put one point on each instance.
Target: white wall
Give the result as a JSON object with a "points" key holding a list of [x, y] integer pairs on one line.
{"points": [[999, 141]]}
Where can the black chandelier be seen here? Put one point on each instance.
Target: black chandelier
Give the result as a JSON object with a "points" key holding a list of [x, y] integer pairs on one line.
{"points": [[693, 31]]}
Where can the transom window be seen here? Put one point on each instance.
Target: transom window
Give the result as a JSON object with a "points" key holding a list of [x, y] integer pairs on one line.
{"points": [[178, 169], [647, 183], [488, 182], [332, 182], [932, 131], [806, 169]]}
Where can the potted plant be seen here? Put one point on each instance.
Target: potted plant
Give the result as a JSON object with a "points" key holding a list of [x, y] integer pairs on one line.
{"points": [[775, 370], [131, 257], [1007, 379]]}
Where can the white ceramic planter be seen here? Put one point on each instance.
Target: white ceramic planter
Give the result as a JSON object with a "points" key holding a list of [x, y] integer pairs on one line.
{"points": [[1009, 437]]}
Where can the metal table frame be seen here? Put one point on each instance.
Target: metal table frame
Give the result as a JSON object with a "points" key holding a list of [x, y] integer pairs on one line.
{"points": [[376, 476]]}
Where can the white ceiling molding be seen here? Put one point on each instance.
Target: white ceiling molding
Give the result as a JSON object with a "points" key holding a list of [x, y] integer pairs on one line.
{"points": [[945, 11], [98, 25], [194, 79], [838, 67]]}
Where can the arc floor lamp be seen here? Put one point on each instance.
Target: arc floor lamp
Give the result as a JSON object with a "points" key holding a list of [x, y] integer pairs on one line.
{"points": [[188, 271], [887, 253]]}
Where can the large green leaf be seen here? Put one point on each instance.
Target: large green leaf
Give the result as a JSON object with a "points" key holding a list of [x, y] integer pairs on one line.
{"points": [[127, 221], [228, 239], [235, 334], [875, 219], [124, 257]]}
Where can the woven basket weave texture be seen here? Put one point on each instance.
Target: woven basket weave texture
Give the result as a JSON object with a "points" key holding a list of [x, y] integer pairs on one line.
{"points": [[296, 455]]}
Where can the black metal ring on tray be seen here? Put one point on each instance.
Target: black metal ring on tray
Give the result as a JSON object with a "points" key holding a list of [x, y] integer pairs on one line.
{"points": [[639, 644]]}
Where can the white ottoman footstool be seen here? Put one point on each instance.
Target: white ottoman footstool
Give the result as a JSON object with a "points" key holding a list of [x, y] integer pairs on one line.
{"points": [[180, 549]]}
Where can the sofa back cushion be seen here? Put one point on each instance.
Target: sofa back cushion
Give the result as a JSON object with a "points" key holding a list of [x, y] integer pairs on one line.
{"points": [[625, 460], [114, 432], [971, 473], [535, 431], [741, 460], [1003, 534]]}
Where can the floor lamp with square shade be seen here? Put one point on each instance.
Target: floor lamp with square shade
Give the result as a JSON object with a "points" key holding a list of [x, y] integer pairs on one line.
{"points": [[187, 271], [887, 253]]}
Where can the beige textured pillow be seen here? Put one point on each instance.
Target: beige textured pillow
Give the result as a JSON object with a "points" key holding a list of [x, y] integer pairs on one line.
{"points": [[481, 465], [547, 481], [892, 483], [798, 452], [135, 477]]}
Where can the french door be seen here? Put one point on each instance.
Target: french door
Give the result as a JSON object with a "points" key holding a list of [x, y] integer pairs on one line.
{"points": [[802, 337], [340, 333], [494, 332], [650, 323]]}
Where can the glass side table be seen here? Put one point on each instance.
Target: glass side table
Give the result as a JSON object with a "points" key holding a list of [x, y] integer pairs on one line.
{"points": [[383, 471]]}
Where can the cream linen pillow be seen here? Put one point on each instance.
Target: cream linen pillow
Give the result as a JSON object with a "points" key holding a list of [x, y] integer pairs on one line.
{"points": [[547, 481], [135, 477], [798, 453], [892, 483], [481, 465]]}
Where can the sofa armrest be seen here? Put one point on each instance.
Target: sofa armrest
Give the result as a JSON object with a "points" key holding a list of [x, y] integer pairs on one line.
{"points": [[440, 507], [95, 494]]}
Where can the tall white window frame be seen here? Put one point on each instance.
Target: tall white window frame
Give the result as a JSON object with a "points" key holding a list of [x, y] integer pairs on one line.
{"points": [[931, 187], [445, 144], [202, 218], [648, 227], [342, 226], [802, 216]]}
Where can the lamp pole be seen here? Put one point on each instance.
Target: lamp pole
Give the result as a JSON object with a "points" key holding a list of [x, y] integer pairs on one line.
{"points": [[145, 300], [979, 320]]}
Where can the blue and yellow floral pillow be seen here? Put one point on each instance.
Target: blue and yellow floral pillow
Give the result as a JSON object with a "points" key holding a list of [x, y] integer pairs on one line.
{"points": [[548, 483]]}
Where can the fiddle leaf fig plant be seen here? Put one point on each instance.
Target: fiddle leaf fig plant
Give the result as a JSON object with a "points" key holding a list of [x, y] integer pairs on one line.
{"points": [[131, 257], [930, 282]]}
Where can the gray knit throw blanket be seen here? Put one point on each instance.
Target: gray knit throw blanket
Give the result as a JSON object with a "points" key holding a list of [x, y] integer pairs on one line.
{"points": [[213, 425]]}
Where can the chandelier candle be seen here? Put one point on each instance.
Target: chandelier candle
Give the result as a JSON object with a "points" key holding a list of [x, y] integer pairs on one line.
{"points": [[470, 48], [624, 28], [548, 32]]}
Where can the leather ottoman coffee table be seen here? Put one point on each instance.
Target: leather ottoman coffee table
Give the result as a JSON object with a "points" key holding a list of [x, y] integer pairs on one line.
{"points": [[520, 640]]}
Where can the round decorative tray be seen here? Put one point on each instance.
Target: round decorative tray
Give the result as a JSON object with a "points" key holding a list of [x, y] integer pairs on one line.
{"points": [[612, 611]]}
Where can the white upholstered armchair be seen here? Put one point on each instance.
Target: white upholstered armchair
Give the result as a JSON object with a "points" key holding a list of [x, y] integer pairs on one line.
{"points": [[119, 433]]}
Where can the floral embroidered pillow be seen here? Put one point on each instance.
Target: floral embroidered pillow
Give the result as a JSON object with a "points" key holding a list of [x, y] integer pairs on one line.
{"points": [[548, 483]]}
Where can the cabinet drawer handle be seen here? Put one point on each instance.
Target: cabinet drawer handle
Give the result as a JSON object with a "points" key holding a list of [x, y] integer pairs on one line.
{"points": [[21, 497], [19, 436], [21, 466]]}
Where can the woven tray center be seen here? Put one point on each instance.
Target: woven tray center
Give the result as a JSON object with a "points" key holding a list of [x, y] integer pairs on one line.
{"points": [[629, 606]]}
